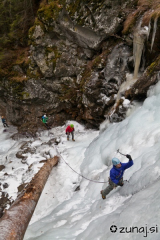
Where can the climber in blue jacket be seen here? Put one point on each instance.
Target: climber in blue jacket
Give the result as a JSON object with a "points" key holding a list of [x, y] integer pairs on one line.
{"points": [[116, 175], [4, 122]]}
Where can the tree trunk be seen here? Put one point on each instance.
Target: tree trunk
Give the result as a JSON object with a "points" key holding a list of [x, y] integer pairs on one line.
{"points": [[15, 220]]}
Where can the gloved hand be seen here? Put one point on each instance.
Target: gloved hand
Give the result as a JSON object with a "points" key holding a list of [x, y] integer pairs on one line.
{"points": [[66, 133], [129, 157]]}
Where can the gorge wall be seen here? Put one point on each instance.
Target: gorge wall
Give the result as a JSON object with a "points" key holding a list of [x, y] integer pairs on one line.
{"points": [[78, 56]]}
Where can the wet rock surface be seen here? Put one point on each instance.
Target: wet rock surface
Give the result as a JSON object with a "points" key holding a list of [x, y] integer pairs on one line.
{"points": [[78, 60], [4, 202], [2, 167]]}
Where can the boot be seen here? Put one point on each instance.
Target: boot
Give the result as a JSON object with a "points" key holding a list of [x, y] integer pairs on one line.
{"points": [[73, 140], [104, 197]]}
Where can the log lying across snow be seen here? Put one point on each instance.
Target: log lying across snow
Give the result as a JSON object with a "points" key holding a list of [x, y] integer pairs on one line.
{"points": [[15, 220]]}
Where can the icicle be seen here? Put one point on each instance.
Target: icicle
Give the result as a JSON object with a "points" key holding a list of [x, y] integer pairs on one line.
{"points": [[138, 44], [149, 29], [154, 32]]}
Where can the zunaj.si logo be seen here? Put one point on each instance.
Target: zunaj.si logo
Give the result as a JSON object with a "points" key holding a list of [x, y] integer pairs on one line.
{"points": [[113, 228], [145, 230]]}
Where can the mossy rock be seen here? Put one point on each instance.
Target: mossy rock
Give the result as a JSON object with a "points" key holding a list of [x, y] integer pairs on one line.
{"points": [[78, 6], [98, 62], [36, 74], [31, 31], [154, 66], [54, 58], [16, 89], [49, 13], [69, 91]]}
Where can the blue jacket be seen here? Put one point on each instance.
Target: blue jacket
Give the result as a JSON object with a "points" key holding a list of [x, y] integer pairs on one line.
{"points": [[3, 120], [117, 173]]}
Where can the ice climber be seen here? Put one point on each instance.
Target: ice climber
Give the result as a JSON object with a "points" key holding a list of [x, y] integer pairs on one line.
{"points": [[116, 175], [4, 122], [44, 120], [70, 129]]}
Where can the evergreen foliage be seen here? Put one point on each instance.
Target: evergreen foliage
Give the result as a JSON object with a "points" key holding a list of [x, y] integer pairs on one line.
{"points": [[16, 16]]}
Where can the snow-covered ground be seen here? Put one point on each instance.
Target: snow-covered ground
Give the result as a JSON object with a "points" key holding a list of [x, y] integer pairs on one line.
{"points": [[129, 212]]}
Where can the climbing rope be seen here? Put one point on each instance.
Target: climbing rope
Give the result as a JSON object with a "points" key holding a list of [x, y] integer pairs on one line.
{"points": [[77, 172]]}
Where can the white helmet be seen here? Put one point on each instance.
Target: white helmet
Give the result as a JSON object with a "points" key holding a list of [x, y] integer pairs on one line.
{"points": [[44, 115]]}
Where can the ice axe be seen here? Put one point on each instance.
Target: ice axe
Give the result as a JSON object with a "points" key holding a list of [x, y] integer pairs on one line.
{"points": [[121, 153]]}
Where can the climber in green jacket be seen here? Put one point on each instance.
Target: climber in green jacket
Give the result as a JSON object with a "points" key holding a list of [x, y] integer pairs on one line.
{"points": [[44, 120]]}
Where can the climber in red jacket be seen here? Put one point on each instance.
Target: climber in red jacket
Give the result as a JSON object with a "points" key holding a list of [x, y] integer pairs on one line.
{"points": [[70, 129]]}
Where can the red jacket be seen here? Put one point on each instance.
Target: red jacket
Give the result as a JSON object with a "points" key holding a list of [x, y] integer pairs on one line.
{"points": [[69, 129]]}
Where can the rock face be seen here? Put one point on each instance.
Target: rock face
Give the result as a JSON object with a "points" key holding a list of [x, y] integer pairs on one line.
{"points": [[78, 59]]}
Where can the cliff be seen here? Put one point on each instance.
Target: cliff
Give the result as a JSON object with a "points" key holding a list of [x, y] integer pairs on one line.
{"points": [[80, 61]]}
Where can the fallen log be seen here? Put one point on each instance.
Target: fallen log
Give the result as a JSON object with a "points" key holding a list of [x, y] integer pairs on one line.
{"points": [[15, 220]]}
